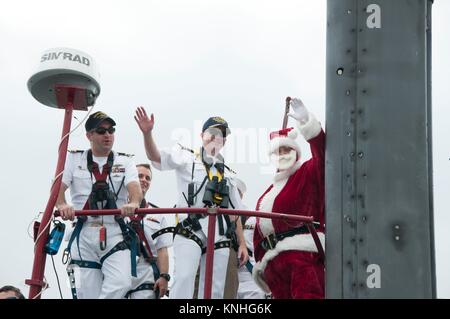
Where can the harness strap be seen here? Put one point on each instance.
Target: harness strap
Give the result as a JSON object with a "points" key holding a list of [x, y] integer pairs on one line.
{"points": [[156, 273], [73, 289], [145, 286], [153, 263], [201, 186], [220, 222], [94, 169], [143, 243], [231, 227], [192, 222], [118, 247], [180, 230], [130, 240], [163, 231], [71, 273], [219, 245], [137, 225], [75, 234], [249, 266], [86, 264]]}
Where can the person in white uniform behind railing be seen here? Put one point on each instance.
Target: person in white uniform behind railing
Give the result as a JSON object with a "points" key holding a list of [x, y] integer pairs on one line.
{"points": [[197, 171], [153, 265]]}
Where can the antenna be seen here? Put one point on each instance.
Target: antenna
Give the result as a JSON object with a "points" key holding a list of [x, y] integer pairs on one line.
{"points": [[65, 79], [286, 111]]}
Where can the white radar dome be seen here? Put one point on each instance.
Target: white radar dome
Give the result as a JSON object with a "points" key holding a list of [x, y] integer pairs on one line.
{"points": [[67, 67]]}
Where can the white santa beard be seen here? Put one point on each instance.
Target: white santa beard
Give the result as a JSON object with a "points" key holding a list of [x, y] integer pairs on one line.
{"points": [[284, 162]]}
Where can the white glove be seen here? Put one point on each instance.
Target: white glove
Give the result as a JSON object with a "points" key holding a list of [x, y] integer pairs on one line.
{"points": [[300, 112]]}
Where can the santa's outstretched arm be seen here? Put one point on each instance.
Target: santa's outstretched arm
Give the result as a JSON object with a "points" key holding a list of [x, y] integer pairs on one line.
{"points": [[311, 130], [315, 136]]}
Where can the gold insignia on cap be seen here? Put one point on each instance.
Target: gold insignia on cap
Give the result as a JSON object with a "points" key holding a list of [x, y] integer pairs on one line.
{"points": [[99, 115], [219, 119]]}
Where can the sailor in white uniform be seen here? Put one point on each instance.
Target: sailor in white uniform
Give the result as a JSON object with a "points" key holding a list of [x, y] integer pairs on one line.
{"points": [[99, 247], [197, 171], [155, 238]]}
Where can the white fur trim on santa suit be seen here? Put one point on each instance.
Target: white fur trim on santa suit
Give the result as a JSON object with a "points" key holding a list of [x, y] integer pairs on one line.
{"points": [[311, 128], [288, 141], [301, 242], [266, 204]]}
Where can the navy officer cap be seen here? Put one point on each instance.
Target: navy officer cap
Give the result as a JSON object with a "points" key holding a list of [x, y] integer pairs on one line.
{"points": [[218, 122], [95, 119]]}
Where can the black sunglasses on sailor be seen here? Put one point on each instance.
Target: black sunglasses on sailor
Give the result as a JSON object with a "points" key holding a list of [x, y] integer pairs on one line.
{"points": [[103, 130]]}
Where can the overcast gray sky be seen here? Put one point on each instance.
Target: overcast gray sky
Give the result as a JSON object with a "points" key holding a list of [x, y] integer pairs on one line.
{"points": [[184, 61]]}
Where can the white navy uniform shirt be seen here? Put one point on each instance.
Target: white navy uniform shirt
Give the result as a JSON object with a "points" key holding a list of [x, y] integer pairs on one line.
{"points": [[78, 178], [181, 160], [152, 224]]}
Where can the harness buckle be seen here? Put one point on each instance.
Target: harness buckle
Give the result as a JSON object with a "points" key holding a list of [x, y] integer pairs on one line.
{"points": [[190, 234], [66, 256]]}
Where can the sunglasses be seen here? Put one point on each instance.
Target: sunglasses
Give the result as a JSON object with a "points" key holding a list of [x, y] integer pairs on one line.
{"points": [[102, 130]]}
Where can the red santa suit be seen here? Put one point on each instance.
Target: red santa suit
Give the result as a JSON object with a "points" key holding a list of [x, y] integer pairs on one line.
{"points": [[293, 268]]}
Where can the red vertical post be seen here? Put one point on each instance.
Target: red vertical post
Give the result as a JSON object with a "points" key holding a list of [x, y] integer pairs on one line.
{"points": [[36, 282], [210, 252]]}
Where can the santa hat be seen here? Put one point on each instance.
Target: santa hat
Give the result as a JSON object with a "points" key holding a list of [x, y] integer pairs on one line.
{"points": [[285, 137]]}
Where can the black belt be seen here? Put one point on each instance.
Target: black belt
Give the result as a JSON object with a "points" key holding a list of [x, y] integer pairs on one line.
{"points": [[190, 235], [271, 241]]}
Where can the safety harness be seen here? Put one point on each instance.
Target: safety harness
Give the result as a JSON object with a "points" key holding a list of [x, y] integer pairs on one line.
{"points": [[101, 193], [191, 224], [137, 224]]}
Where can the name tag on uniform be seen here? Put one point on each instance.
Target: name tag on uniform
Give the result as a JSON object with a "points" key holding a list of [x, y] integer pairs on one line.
{"points": [[117, 169]]}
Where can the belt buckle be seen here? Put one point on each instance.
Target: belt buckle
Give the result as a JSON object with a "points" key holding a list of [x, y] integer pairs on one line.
{"points": [[271, 241]]}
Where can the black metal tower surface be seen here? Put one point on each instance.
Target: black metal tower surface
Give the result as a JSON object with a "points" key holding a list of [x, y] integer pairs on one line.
{"points": [[379, 203]]}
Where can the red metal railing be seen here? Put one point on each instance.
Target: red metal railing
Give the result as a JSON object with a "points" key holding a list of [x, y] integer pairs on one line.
{"points": [[212, 216]]}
